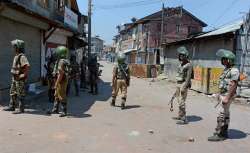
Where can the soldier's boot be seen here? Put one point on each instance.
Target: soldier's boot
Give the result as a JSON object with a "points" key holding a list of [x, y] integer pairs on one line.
{"points": [[64, 108], [182, 121], [20, 107], [216, 137], [176, 118], [11, 107], [123, 103], [96, 90], [224, 131], [182, 114], [55, 109], [91, 88], [113, 101]]}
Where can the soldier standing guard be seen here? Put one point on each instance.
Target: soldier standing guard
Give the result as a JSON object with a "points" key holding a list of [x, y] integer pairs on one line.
{"points": [[61, 72], [120, 80], [93, 74], [228, 85], [19, 73], [183, 79], [74, 75]]}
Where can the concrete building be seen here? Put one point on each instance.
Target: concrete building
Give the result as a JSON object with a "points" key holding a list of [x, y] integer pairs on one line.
{"points": [[203, 50], [141, 40], [43, 25], [109, 52], [97, 46]]}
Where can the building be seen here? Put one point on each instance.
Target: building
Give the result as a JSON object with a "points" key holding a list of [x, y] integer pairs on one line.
{"points": [[109, 52], [97, 46], [43, 25], [203, 50], [141, 40]]}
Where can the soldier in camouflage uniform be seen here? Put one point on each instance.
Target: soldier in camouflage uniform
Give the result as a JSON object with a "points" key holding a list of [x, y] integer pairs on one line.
{"points": [[51, 80], [74, 75], [19, 73], [61, 71], [120, 80], [93, 74], [183, 79], [227, 84]]}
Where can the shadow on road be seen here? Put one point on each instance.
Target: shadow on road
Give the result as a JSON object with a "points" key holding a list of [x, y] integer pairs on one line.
{"points": [[194, 118], [236, 134], [77, 106], [129, 106]]}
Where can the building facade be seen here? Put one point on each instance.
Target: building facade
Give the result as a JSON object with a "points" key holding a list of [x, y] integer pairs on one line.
{"points": [[142, 39], [97, 46], [43, 25]]}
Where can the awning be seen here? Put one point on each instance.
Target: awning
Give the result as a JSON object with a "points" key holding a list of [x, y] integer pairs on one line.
{"points": [[128, 51]]}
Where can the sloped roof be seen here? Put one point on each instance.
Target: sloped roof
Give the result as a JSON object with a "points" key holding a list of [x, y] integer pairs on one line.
{"points": [[159, 13], [225, 29]]}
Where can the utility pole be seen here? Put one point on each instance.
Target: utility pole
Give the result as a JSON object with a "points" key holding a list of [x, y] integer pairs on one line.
{"points": [[89, 26], [162, 23], [161, 39]]}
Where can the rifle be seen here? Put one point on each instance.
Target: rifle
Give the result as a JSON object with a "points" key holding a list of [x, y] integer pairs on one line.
{"points": [[126, 75], [172, 101], [217, 98]]}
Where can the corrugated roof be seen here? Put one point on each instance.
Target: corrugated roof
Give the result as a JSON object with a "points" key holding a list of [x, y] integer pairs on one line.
{"points": [[225, 29]]}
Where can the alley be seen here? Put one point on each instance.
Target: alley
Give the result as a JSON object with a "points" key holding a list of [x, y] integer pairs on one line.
{"points": [[144, 127]]}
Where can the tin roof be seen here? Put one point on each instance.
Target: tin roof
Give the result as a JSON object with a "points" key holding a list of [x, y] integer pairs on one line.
{"points": [[230, 28], [225, 29]]}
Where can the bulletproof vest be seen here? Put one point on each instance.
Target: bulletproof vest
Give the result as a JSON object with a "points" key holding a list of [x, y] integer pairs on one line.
{"points": [[17, 69], [74, 68], [65, 63], [182, 72], [225, 80], [122, 71]]}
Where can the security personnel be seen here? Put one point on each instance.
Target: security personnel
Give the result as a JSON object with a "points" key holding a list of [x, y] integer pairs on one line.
{"points": [[19, 73], [74, 75], [227, 84], [93, 74], [183, 80], [120, 80], [61, 72], [51, 80]]}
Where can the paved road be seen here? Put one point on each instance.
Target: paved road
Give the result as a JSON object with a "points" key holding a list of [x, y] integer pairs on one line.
{"points": [[94, 127]]}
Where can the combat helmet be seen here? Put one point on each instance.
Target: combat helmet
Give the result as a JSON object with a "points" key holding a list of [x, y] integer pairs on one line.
{"points": [[226, 54], [18, 44], [183, 51], [121, 58], [62, 52]]}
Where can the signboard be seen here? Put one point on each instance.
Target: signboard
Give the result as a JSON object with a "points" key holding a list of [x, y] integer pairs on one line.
{"points": [[70, 18]]}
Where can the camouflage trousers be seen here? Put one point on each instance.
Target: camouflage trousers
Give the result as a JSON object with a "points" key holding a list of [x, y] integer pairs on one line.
{"points": [[17, 94], [181, 95], [223, 118], [120, 85]]}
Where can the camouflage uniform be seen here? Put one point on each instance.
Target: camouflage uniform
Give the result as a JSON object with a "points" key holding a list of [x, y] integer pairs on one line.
{"points": [[61, 70], [83, 73], [74, 75], [183, 83], [17, 90], [121, 81], [183, 79], [93, 75], [227, 83]]}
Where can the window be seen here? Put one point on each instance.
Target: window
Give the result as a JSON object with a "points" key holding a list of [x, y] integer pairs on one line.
{"points": [[192, 30], [59, 5], [178, 28], [43, 3]]}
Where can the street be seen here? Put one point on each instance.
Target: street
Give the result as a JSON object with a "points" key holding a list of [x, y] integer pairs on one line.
{"points": [[93, 126]]}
